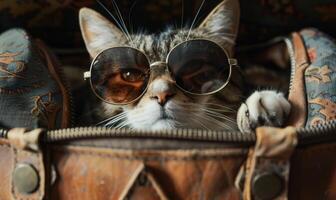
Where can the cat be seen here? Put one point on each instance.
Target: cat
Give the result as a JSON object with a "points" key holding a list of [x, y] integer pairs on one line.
{"points": [[164, 106]]}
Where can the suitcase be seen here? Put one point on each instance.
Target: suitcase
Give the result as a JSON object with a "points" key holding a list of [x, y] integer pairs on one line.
{"points": [[295, 162]]}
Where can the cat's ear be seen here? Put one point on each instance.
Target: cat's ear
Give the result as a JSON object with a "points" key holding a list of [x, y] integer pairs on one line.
{"points": [[223, 22], [98, 32]]}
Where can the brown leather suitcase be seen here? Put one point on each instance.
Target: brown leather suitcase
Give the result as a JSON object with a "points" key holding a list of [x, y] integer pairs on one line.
{"points": [[100, 163]]}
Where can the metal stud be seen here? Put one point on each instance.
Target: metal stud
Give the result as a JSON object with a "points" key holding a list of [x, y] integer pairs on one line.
{"points": [[25, 178], [267, 186]]}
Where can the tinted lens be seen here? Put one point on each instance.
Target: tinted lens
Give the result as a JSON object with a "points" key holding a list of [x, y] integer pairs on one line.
{"points": [[120, 75], [199, 66]]}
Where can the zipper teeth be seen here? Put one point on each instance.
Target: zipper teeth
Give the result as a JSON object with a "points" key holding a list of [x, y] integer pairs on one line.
{"points": [[184, 134], [320, 133], [306, 135], [66, 85], [292, 60], [310, 135]]}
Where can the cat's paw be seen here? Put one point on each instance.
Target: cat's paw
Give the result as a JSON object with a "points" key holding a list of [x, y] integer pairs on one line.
{"points": [[268, 108]]}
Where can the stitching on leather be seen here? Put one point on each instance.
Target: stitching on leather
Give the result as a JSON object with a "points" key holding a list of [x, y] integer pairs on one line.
{"points": [[161, 158]]}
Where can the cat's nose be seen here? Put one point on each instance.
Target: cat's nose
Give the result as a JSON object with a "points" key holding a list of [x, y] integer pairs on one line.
{"points": [[161, 90], [163, 97]]}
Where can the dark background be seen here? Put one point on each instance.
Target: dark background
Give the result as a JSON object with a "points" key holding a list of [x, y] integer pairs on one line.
{"points": [[56, 21]]}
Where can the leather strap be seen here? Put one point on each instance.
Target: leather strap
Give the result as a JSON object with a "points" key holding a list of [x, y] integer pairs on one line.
{"points": [[297, 96], [26, 152], [267, 163]]}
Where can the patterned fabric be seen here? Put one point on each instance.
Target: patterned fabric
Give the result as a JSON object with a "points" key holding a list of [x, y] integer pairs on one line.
{"points": [[29, 94], [320, 76]]}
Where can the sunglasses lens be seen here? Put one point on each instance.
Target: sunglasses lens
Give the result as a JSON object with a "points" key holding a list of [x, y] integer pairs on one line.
{"points": [[199, 66], [119, 75]]}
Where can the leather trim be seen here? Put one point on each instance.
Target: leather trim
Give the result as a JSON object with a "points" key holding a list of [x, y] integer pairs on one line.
{"points": [[297, 96], [54, 67], [22, 143], [271, 154], [36, 160]]}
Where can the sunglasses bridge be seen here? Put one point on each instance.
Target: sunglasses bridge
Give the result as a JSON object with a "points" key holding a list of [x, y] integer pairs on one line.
{"points": [[197, 81]]}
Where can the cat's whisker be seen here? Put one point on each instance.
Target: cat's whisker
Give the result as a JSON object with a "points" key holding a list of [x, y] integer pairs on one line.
{"points": [[214, 113], [196, 107], [219, 105], [104, 121], [110, 118], [210, 116], [193, 23], [228, 119], [223, 124], [220, 110], [199, 122], [215, 121], [112, 123], [182, 104], [122, 20], [115, 20], [123, 125], [114, 117]]}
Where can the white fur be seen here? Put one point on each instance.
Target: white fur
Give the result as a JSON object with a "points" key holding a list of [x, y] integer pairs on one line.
{"points": [[270, 106], [149, 114], [159, 86]]}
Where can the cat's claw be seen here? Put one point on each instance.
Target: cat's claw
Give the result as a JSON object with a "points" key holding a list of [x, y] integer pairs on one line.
{"points": [[268, 108]]}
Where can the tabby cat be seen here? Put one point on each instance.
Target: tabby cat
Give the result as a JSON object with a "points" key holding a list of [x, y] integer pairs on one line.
{"points": [[164, 105]]}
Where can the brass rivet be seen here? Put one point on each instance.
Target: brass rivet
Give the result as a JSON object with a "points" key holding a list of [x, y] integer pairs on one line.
{"points": [[267, 186], [25, 178]]}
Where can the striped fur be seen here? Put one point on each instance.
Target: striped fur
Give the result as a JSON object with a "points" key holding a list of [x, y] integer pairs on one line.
{"points": [[182, 110]]}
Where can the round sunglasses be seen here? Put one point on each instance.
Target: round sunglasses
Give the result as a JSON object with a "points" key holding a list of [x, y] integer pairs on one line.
{"points": [[120, 75]]}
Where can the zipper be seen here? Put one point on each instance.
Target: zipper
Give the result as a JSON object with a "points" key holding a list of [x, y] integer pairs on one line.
{"points": [[178, 134], [310, 135], [321, 133], [292, 61]]}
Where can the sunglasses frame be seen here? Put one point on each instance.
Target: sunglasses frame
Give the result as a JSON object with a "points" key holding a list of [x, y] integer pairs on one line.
{"points": [[231, 61]]}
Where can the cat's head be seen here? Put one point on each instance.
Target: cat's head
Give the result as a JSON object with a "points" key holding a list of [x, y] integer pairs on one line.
{"points": [[163, 105]]}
